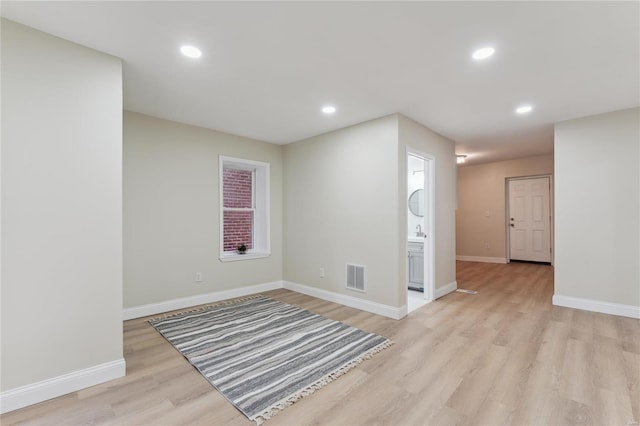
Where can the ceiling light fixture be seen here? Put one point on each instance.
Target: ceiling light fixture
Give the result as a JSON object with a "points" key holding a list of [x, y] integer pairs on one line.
{"points": [[524, 109], [460, 158], [191, 52], [483, 53], [329, 109]]}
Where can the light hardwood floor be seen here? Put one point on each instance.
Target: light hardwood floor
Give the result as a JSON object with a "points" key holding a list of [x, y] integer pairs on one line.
{"points": [[503, 356]]}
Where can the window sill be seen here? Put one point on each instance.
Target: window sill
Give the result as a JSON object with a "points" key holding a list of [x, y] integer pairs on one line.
{"points": [[234, 257]]}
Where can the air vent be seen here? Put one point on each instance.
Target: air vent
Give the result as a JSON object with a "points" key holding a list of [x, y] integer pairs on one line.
{"points": [[355, 277]]}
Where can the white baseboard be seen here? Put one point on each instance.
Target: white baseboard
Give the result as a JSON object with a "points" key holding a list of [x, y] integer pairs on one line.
{"points": [[402, 311], [353, 302], [200, 299], [446, 289], [597, 306], [482, 259], [343, 299], [51, 388]]}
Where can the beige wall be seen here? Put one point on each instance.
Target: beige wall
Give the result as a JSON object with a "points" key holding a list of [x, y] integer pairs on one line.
{"points": [[346, 202], [480, 218], [171, 211], [416, 136], [341, 206], [598, 208], [61, 208]]}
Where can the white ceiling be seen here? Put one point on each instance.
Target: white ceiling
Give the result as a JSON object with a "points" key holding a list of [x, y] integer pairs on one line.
{"points": [[267, 68]]}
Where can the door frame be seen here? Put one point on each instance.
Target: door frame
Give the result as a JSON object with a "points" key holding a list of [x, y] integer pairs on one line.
{"points": [[507, 214], [429, 220]]}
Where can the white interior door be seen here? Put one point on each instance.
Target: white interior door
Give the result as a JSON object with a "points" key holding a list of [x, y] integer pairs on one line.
{"points": [[529, 219]]}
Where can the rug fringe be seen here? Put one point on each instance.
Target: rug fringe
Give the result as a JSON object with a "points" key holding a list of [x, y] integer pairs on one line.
{"points": [[205, 307], [290, 400]]}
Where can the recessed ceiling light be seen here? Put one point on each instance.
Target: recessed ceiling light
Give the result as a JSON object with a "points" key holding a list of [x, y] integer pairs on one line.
{"points": [[191, 51], [523, 109], [483, 53], [329, 109], [460, 158]]}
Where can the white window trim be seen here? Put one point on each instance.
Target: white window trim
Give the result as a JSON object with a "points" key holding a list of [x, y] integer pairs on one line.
{"points": [[262, 204]]}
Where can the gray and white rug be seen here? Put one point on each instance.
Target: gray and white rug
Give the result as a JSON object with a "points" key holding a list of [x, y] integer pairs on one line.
{"points": [[262, 354]]}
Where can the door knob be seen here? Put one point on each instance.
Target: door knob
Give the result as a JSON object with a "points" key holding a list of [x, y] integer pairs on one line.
{"points": [[512, 225], [512, 219]]}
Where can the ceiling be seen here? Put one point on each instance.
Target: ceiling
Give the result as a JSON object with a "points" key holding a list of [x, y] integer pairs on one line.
{"points": [[268, 67]]}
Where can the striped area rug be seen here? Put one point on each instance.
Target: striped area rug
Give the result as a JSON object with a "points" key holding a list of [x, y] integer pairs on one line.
{"points": [[263, 355]]}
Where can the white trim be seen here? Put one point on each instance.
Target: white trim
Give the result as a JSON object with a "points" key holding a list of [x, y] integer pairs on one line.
{"points": [[597, 306], [234, 257], [343, 299], [403, 311], [34, 393], [353, 302], [429, 247], [201, 299], [482, 259], [446, 289], [261, 203]]}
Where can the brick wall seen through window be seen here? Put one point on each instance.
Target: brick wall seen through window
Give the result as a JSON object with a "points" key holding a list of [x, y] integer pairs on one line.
{"points": [[238, 208]]}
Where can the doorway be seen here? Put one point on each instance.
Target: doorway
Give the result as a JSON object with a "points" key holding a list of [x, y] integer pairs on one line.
{"points": [[419, 248], [529, 219]]}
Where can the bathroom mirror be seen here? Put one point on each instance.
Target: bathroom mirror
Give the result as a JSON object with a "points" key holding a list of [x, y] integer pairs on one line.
{"points": [[416, 202]]}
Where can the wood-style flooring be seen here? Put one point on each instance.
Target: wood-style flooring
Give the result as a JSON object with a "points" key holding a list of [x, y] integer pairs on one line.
{"points": [[503, 356]]}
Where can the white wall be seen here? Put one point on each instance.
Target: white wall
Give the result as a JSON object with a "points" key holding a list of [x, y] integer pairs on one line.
{"points": [[171, 211], [61, 209], [341, 206], [597, 209], [415, 135]]}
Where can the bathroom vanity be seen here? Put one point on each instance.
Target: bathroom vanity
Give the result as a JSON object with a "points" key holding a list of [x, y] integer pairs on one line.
{"points": [[416, 264]]}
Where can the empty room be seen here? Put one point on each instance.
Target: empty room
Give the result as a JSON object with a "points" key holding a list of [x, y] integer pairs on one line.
{"points": [[333, 213]]}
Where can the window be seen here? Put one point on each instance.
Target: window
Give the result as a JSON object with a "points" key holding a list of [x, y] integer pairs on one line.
{"points": [[244, 208]]}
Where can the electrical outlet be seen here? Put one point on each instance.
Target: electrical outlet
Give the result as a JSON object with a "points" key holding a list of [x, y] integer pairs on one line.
{"points": [[198, 277], [321, 272]]}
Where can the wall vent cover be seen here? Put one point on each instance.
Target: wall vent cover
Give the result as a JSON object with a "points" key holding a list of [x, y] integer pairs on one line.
{"points": [[355, 277]]}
